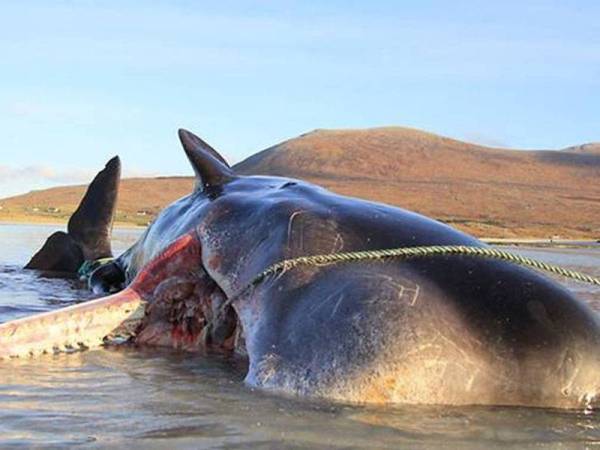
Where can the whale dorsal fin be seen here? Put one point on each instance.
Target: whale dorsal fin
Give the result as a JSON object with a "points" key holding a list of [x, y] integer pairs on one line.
{"points": [[210, 167], [91, 224]]}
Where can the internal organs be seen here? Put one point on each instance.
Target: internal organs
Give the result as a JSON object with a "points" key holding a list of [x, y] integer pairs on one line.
{"points": [[185, 312]]}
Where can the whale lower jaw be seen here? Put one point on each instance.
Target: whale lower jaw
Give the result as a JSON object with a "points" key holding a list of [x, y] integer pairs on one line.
{"points": [[82, 326]]}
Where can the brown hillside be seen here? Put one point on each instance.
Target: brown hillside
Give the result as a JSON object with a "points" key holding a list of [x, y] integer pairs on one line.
{"points": [[591, 149], [489, 192], [139, 200]]}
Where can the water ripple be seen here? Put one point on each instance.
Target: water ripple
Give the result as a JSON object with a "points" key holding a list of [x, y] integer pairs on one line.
{"points": [[123, 397]]}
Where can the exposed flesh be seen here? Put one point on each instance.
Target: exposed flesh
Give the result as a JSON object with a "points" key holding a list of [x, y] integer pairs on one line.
{"points": [[170, 303]]}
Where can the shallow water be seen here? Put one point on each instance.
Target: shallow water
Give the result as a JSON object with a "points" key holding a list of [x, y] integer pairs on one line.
{"points": [[157, 399]]}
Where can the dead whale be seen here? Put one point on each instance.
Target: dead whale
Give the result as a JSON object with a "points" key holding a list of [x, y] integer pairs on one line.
{"points": [[449, 329]]}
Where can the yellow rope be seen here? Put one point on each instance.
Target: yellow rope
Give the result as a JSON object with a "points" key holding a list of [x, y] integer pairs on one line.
{"points": [[406, 252], [414, 252]]}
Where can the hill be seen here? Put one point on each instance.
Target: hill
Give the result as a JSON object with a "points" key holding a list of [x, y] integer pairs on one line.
{"points": [[140, 199], [489, 192]]}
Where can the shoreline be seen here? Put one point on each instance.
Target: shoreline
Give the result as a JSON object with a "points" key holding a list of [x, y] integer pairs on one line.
{"points": [[533, 242], [48, 223]]}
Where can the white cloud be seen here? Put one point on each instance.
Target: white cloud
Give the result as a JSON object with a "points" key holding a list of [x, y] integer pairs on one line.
{"points": [[18, 180], [10, 174]]}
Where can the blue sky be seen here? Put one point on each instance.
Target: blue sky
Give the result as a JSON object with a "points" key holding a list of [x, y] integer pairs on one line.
{"points": [[84, 80]]}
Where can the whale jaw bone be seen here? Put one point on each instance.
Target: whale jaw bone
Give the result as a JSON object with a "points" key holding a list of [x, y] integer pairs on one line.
{"points": [[86, 325]]}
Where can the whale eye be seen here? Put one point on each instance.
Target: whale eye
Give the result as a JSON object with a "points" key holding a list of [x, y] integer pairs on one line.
{"points": [[288, 184]]}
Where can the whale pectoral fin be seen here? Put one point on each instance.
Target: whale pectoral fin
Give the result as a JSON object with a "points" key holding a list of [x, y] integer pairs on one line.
{"points": [[85, 325], [192, 143], [91, 224], [210, 167]]}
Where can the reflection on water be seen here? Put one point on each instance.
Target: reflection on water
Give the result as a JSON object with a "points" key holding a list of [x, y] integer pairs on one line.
{"points": [[134, 398]]}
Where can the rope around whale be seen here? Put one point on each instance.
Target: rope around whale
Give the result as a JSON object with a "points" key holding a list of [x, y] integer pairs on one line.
{"points": [[415, 252], [406, 253], [401, 252]]}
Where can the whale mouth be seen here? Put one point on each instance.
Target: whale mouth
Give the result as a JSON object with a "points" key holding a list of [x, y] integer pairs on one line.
{"points": [[186, 309], [172, 302]]}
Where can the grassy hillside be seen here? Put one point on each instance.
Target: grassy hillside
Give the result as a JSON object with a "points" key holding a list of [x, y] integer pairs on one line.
{"points": [[140, 199], [486, 191]]}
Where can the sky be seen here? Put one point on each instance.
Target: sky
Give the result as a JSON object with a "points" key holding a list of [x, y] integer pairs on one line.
{"points": [[81, 81]]}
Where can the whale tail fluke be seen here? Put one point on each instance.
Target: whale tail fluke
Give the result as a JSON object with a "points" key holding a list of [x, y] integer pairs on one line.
{"points": [[89, 228], [91, 224]]}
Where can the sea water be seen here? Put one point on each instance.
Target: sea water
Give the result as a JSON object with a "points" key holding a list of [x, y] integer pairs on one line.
{"points": [[127, 398]]}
